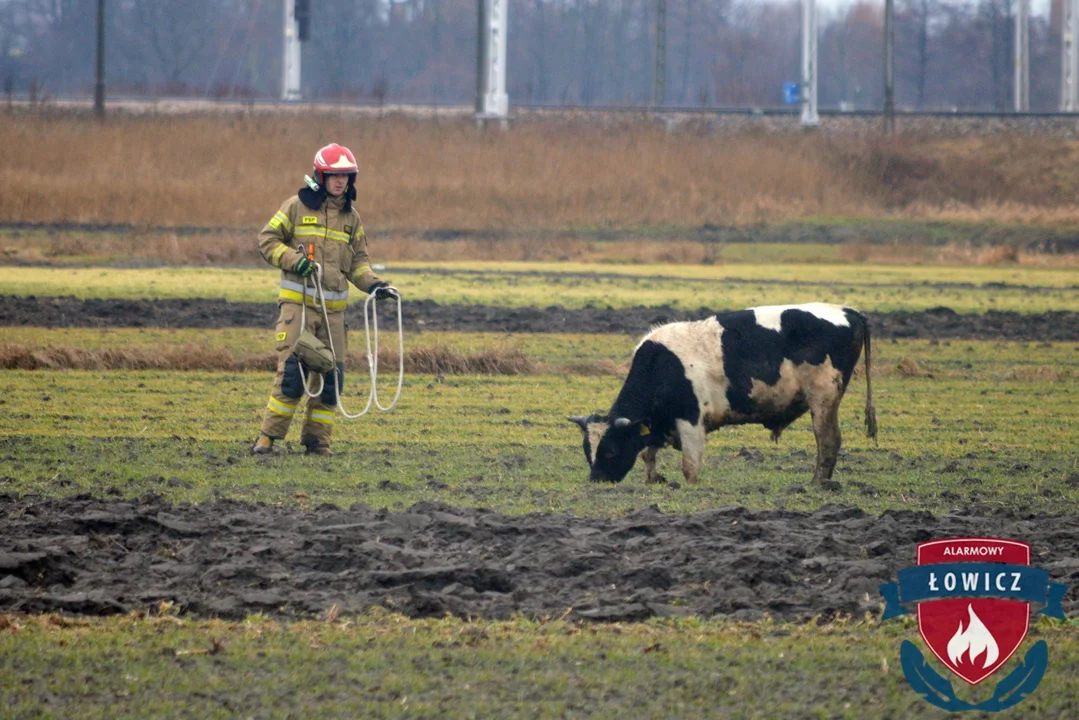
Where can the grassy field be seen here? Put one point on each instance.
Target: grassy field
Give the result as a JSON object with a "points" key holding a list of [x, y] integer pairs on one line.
{"points": [[387, 666], [827, 240], [975, 426], [869, 287], [961, 423], [230, 349]]}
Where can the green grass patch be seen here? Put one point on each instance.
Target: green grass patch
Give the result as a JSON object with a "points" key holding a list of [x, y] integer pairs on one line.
{"points": [[868, 287], [383, 665], [1000, 433], [571, 353]]}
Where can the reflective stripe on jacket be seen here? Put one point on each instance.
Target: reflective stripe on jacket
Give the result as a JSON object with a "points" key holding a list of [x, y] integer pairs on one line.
{"points": [[339, 245]]}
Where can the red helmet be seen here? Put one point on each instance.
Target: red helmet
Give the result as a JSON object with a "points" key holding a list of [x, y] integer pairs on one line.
{"points": [[334, 159]]}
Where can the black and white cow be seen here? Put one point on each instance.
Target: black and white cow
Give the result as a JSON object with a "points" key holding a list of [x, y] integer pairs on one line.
{"points": [[764, 365]]}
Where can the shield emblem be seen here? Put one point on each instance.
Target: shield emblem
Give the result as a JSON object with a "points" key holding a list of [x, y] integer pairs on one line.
{"points": [[973, 637]]}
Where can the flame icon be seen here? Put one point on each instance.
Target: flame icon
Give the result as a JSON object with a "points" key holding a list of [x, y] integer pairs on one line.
{"points": [[975, 640]]}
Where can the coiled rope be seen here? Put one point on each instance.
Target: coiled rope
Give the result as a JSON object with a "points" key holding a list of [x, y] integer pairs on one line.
{"points": [[370, 321]]}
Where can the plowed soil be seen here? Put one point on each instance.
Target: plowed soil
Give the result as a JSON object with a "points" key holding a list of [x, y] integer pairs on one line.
{"points": [[227, 559], [941, 323]]}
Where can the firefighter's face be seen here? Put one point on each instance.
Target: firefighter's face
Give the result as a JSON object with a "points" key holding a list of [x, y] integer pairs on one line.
{"points": [[336, 184]]}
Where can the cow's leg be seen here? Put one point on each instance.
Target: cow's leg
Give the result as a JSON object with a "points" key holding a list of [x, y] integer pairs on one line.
{"points": [[648, 455], [826, 430], [692, 437]]}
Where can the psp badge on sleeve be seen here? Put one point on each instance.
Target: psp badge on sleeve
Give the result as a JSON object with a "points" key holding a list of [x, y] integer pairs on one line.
{"points": [[974, 598]]}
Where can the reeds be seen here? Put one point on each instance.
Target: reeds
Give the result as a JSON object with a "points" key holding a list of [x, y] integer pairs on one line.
{"points": [[219, 171], [427, 360]]}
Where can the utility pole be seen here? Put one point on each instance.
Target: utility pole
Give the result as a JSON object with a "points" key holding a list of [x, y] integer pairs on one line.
{"points": [[889, 67], [99, 75], [296, 19], [492, 102], [1069, 91], [1022, 56], [810, 119], [659, 78]]}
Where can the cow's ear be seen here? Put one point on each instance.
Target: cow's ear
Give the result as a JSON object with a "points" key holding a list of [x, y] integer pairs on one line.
{"points": [[580, 420]]}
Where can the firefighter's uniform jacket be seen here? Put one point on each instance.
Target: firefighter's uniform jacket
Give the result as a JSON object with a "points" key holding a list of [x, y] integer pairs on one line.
{"points": [[335, 233]]}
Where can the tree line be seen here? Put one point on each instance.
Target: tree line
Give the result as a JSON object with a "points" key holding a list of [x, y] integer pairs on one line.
{"points": [[950, 54]]}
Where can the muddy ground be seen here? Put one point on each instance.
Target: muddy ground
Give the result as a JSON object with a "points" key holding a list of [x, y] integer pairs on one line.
{"points": [[941, 323], [1042, 239], [228, 559]]}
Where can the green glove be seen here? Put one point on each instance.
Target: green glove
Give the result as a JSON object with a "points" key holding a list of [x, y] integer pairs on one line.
{"points": [[304, 268]]}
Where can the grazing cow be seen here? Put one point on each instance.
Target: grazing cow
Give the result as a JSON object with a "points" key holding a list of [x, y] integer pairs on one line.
{"points": [[764, 365]]}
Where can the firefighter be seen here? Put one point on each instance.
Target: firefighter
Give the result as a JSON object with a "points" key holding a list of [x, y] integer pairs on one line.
{"points": [[317, 225]]}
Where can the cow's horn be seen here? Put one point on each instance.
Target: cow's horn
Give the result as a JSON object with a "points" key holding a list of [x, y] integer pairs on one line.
{"points": [[622, 422], [581, 420]]}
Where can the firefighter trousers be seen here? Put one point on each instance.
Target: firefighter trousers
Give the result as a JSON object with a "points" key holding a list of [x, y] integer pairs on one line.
{"points": [[288, 389]]}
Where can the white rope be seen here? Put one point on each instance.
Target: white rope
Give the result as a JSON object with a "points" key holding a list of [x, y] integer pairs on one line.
{"points": [[372, 351], [372, 359]]}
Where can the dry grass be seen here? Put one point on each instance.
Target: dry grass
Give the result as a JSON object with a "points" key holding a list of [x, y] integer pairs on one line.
{"points": [[596, 368], [444, 360], [233, 171], [952, 254], [909, 367], [968, 178], [551, 248], [229, 248], [1036, 372], [432, 360], [185, 357], [234, 248]]}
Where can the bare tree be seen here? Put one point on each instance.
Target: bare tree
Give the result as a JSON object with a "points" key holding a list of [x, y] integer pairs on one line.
{"points": [[174, 35], [949, 54], [995, 16], [914, 20]]}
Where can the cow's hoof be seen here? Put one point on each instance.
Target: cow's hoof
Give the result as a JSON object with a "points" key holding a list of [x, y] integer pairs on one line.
{"points": [[657, 480], [830, 485]]}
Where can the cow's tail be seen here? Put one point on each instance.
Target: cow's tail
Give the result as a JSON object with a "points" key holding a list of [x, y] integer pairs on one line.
{"points": [[870, 410]]}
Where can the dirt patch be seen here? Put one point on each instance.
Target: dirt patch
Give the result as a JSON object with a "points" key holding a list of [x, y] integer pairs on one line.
{"points": [[419, 315], [1047, 240], [228, 559], [726, 281]]}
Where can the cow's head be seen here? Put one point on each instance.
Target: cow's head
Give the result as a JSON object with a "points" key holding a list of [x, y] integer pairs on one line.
{"points": [[611, 445]]}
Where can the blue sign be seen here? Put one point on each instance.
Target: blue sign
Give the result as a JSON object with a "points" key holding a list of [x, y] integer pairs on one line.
{"points": [[792, 93]]}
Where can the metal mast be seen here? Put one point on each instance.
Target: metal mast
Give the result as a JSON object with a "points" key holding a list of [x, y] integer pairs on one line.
{"points": [[492, 102], [290, 86], [659, 78], [99, 81], [809, 64], [1022, 56], [1069, 92], [889, 67]]}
